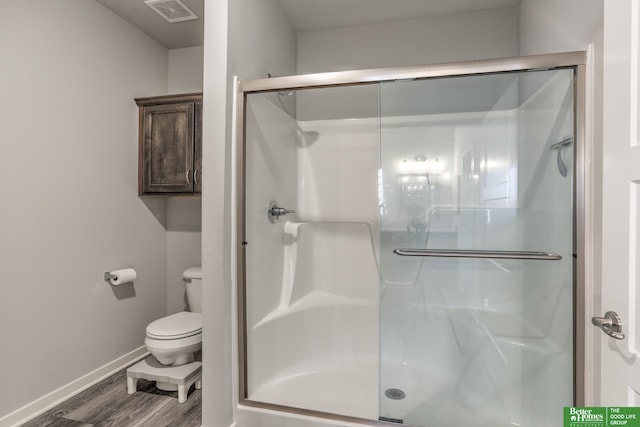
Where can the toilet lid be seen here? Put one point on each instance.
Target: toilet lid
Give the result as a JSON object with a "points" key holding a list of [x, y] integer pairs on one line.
{"points": [[179, 325]]}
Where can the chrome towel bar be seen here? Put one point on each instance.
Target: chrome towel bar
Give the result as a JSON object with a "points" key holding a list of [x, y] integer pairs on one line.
{"points": [[460, 253]]}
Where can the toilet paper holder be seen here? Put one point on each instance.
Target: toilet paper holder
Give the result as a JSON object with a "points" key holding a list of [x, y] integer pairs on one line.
{"points": [[118, 277]]}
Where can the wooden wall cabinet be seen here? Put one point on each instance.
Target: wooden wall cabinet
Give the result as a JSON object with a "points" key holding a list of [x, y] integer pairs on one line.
{"points": [[170, 145]]}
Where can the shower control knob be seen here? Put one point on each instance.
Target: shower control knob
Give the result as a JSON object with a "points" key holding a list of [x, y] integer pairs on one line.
{"points": [[611, 324], [275, 212]]}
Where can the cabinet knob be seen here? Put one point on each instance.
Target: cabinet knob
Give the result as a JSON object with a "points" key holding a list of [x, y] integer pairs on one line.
{"points": [[187, 176], [195, 176]]}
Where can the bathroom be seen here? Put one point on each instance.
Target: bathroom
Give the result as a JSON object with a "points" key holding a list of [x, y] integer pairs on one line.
{"points": [[75, 213], [73, 216]]}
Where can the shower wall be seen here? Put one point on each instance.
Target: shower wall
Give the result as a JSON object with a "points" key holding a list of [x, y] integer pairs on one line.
{"points": [[312, 277], [273, 157], [337, 171]]}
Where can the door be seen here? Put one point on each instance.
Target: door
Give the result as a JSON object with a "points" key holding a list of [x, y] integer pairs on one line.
{"points": [[310, 269], [476, 249], [620, 377]]}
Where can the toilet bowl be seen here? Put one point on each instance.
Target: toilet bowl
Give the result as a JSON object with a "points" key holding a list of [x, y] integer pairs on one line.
{"points": [[173, 340]]}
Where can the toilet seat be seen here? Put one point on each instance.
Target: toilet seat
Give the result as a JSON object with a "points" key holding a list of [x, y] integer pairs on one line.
{"points": [[176, 326]]}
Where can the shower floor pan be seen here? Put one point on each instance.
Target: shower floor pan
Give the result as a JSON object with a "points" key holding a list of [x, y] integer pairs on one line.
{"points": [[345, 386]]}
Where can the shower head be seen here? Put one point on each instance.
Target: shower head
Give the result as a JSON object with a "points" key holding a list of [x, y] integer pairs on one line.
{"points": [[562, 167], [566, 141]]}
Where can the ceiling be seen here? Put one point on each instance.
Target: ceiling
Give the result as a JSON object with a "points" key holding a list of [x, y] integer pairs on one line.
{"points": [[312, 15], [304, 15], [171, 36]]}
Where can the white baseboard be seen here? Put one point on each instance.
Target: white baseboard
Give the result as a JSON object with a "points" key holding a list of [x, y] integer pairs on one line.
{"points": [[48, 401]]}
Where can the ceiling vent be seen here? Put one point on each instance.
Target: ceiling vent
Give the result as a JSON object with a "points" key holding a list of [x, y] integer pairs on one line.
{"points": [[172, 10]]}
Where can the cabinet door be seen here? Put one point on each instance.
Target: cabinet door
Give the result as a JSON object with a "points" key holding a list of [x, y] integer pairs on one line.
{"points": [[197, 178], [168, 148]]}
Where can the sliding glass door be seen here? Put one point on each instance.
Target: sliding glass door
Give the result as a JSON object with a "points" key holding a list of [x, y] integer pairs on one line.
{"points": [[408, 244], [476, 241]]}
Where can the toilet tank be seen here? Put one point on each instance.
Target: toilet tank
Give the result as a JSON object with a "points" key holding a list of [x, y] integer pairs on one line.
{"points": [[193, 278]]}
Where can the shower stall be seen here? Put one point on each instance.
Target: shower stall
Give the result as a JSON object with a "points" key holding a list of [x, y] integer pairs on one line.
{"points": [[410, 244]]}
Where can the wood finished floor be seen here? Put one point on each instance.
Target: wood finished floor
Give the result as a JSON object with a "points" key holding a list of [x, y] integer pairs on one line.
{"points": [[108, 404]]}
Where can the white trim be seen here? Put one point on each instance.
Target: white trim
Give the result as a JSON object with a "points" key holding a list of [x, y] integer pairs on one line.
{"points": [[234, 248], [48, 401], [590, 240]]}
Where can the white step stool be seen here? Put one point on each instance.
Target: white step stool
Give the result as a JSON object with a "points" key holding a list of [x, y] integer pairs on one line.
{"points": [[180, 376]]}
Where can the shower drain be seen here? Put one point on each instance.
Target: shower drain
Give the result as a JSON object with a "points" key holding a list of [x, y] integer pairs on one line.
{"points": [[394, 393]]}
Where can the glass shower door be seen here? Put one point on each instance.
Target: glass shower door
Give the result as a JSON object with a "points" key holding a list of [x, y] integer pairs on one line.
{"points": [[476, 241], [311, 274]]}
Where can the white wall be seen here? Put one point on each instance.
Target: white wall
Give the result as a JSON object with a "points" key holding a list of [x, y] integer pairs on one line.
{"points": [[184, 246], [185, 70], [70, 209], [184, 217], [460, 37], [551, 26], [247, 38]]}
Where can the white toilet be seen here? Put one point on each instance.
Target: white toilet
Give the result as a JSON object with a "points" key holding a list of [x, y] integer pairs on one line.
{"points": [[173, 341]]}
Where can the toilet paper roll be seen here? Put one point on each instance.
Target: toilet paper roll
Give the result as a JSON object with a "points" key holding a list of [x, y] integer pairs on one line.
{"points": [[125, 275]]}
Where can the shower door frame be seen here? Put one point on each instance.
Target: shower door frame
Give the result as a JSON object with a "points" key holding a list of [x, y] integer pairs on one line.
{"points": [[581, 191]]}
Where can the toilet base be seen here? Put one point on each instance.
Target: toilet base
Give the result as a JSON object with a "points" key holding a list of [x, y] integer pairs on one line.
{"points": [[180, 377]]}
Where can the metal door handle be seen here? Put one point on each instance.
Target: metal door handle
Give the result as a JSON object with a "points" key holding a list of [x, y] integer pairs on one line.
{"points": [[464, 253], [611, 324], [187, 176], [195, 176]]}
